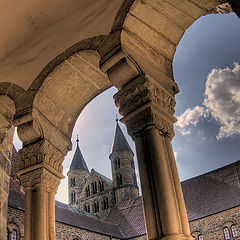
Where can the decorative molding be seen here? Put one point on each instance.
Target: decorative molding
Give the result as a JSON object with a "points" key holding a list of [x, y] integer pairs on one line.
{"points": [[40, 176], [144, 103], [40, 152]]}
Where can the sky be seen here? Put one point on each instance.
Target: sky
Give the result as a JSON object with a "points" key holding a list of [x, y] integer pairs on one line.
{"points": [[207, 71]]}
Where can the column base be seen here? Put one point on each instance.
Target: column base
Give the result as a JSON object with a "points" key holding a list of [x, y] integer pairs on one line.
{"points": [[176, 237]]}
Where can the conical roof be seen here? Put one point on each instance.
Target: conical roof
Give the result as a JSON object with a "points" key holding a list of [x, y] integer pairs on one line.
{"points": [[78, 161], [120, 142]]}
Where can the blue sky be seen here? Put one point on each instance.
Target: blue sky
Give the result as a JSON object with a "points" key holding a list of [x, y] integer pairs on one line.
{"points": [[208, 132]]}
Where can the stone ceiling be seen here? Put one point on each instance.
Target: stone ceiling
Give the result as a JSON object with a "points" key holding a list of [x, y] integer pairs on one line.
{"points": [[35, 32]]}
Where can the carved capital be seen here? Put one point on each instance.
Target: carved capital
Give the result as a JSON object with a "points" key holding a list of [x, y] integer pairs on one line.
{"points": [[144, 103], [38, 176], [41, 153]]}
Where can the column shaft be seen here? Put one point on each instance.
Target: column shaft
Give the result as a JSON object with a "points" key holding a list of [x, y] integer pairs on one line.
{"points": [[51, 213], [148, 108], [41, 212], [28, 214]]}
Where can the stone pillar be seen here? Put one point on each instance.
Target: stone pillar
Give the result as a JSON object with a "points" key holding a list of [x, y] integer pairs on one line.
{"points": [[5, 171], [148, 110], [40, 173]]}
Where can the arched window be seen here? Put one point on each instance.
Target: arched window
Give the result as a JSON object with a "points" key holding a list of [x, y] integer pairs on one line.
{"points": [[200, 237], [13, 235], [234, 231], [73, 196], [101, 186], [96, 207], [119, 179], [226, 232], [118, 163], [87, 208], [72, 182], [115, 164], [87, 190], [105, 203], [94, 187]]}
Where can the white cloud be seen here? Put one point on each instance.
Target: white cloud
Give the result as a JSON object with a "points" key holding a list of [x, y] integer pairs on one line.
{"points": [[190, 116], [221, 100], [62, 193]]}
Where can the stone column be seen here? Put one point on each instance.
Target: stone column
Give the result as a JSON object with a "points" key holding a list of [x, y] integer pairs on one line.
{"points": [[148, 110], [5, 172], [40, 173]]}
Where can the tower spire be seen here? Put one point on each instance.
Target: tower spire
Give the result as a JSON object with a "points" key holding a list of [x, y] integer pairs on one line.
{"points": [[78, 161], [120, 142]]}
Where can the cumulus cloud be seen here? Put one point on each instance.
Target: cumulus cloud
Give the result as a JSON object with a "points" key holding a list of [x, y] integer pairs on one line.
{"points": [[190, 117], [221, 100]]}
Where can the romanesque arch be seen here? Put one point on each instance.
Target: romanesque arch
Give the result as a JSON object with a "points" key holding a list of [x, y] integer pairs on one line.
{"points": [[137, 58]]}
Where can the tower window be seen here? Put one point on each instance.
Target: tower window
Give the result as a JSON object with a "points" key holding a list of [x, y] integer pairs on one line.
{"points": [[73, 197], [226, 232], [119, 179], [117, 163], [72, 182], [87, 190], [105, 203], [94, 187], [132, 164], [234, 231], [101, 186]]}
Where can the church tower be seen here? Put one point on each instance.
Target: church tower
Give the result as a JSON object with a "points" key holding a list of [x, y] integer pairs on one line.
{"points": [[77, 176], [123, 170]]}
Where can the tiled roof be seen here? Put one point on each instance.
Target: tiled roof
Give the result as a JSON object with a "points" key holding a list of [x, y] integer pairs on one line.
{"points": [[120, 142], [70, 216], [78, 161], [204, 195], [212, 192], [129, 218]]}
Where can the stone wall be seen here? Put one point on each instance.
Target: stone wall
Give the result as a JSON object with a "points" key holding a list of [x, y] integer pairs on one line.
{"points": [[211, 227], [66, 232]]}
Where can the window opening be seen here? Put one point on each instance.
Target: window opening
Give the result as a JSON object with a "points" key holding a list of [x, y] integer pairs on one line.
{"points": [[234, 231], [226, 232]]}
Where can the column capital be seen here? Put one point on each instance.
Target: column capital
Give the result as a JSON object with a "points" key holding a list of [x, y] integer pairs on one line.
{"points": [[145, 103], [33, 178], [41, 154]]}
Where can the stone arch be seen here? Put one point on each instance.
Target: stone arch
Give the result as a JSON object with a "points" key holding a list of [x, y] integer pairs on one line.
{"points": [[152, 53]]}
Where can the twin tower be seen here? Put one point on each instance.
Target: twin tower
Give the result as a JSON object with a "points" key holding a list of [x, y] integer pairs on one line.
{"points": [[94, 193]]}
